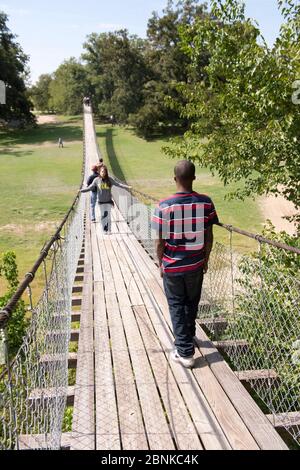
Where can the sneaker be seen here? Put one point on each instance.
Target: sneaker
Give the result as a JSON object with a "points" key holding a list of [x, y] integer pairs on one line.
{"points": [[187, 362]]}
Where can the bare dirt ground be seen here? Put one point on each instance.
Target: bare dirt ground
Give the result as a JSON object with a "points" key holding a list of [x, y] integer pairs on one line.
{"points": [[274, 209], [46, 119]]}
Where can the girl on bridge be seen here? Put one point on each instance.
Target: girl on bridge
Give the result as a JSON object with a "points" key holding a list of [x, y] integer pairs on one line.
{"points": [[103, 185]]}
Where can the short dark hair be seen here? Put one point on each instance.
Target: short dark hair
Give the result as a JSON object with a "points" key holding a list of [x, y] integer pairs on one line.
{"points": [[185, 170]]}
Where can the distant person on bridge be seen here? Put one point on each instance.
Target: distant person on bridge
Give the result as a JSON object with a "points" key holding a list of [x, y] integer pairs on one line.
{"points": [[184, 226], [95, 170], [103, 184], [86, 101], [112, 120]]}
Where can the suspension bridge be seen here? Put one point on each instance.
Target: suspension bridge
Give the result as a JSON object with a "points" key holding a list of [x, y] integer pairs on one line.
{"points": [[128, 394]]}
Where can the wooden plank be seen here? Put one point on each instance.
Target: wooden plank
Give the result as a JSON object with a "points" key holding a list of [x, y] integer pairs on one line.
{"points": [[231, 344], [131, 423], [114, 224], [132, 429], [51, 359], [83, 426], [285, 420], [257, 375], [77, 289], [107, 426], [217, 325], [55, 335], [156, 425], [42, 441], [76, 301], [75, 317], [200, 412], [33, 442], [232, 425], [175, 391], [259, 426], [245, 403], [41, 395]]}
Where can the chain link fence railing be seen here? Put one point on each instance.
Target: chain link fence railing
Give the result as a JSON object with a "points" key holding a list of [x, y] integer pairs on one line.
{"points": [[33, 385], [137, 214], [252, 304], [34, 389]]}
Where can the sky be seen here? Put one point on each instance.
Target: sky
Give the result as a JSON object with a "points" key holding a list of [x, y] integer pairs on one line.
{"points": [[50, 32]]}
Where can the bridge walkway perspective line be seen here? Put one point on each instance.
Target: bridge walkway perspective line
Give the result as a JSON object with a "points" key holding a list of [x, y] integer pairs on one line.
{"points": [[128, 394]]}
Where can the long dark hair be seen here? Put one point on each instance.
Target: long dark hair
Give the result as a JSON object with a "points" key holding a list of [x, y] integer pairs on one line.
{"points": [[106, 179]]}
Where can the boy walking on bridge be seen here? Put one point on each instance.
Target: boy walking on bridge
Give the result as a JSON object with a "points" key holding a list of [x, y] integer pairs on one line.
{"points": [[184, 226]]}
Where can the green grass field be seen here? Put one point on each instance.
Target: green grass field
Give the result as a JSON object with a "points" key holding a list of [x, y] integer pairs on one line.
{"points": [[37, 185], [143, 165]]}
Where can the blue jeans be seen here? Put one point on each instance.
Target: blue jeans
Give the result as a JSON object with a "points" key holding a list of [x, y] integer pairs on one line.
{"points": [[93, 205], [183, 293]]}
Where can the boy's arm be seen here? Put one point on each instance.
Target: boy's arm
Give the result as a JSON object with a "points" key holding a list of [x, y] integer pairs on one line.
{"points": [[159, 225], [208, 244], [160, 248], [90, 180]]}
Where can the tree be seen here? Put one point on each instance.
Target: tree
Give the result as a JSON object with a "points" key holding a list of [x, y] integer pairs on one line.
{"points": [[169, 65], [40, 93], [17, 324], [244, 125], [68, 87], [117, 71], [13, 72]]}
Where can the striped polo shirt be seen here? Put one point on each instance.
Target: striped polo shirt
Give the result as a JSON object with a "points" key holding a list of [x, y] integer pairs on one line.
{"points": [[182, 220]]}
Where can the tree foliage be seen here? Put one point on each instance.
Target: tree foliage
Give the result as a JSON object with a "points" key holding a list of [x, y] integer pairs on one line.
{"points": [[13, 72], [40, 93], [168, 65], [244, 124], [17, 324], [117, 72], [68, 87]]}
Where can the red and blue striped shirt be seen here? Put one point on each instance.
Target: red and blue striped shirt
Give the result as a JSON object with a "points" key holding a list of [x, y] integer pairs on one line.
{"points": [[182, 220]]}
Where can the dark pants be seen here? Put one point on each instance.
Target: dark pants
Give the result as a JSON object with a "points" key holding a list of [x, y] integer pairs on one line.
{"points": [[183, 293]]}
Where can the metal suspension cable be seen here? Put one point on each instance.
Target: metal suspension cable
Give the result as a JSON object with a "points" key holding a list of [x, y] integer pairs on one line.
{"points": [[229, 228], [261, 239]]}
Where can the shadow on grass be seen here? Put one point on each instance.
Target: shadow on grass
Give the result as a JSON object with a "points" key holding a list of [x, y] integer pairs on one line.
{"points": [[41, 134], [15, 153], [113, 159], [109, 133]]}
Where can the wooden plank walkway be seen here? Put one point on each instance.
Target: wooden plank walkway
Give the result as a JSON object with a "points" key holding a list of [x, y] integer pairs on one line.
{"points": [[128, 394]]}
